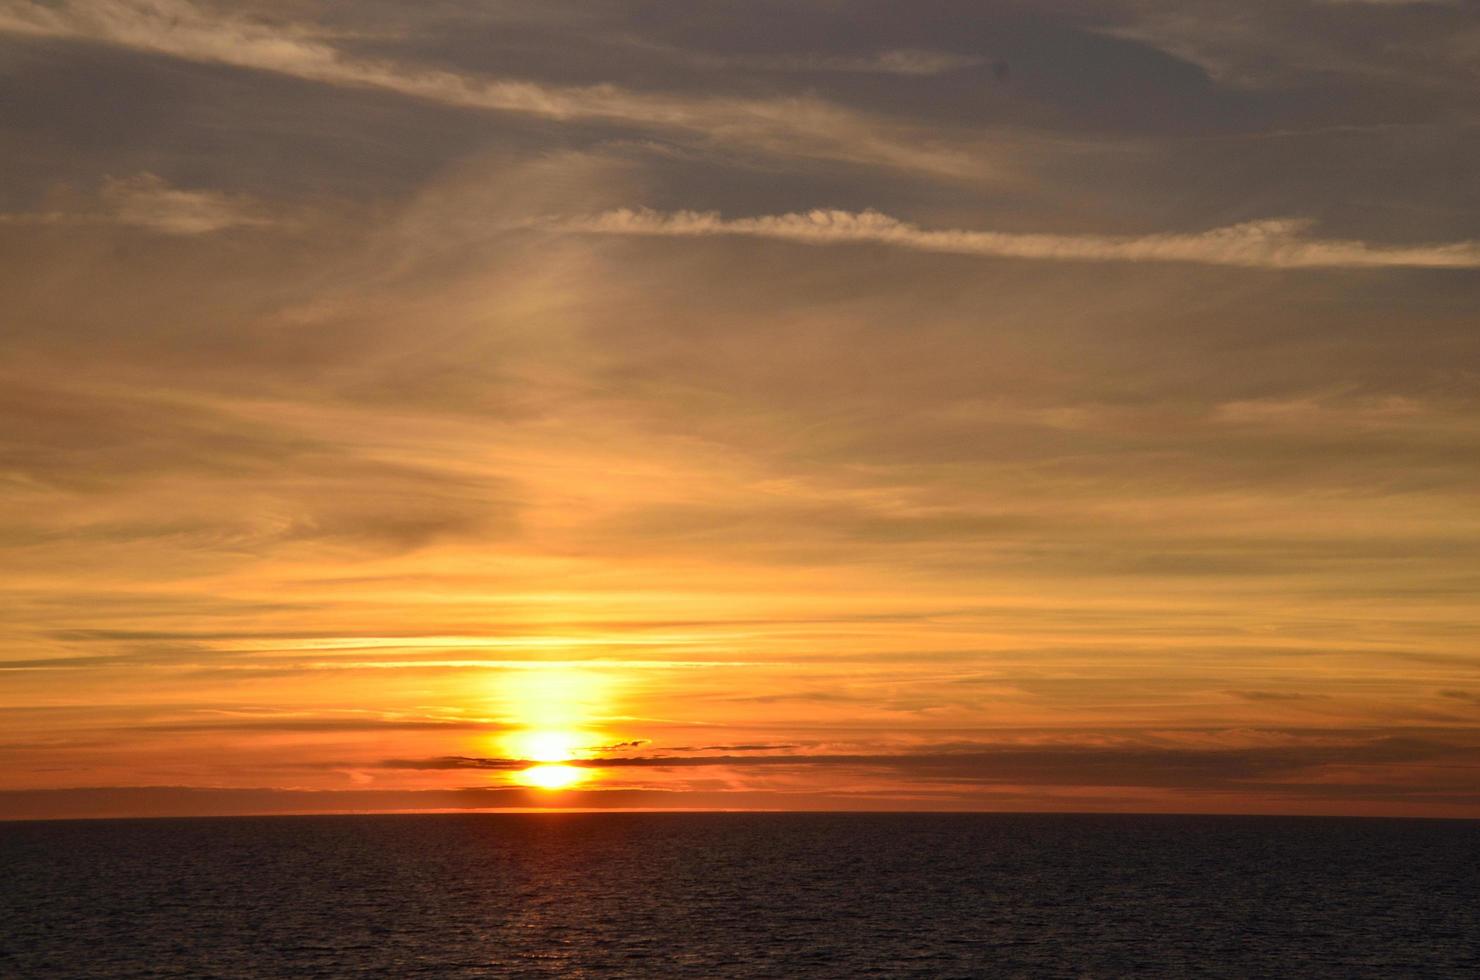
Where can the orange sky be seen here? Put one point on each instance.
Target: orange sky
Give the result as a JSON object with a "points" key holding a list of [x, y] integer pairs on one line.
{"points": [[1030, 409]]}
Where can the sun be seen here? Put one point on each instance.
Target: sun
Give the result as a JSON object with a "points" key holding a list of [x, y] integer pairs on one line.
{"points": [[554, 776], [547, 746], [550, 750], [551, 709]]}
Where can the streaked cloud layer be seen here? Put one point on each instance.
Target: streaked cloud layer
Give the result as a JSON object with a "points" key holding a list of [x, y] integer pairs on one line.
{"points": [[145, 201], [1275, 244], [397, 397], [180, 29]]}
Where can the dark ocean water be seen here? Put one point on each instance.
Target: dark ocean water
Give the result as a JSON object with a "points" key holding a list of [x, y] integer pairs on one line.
{"points": [[712, 895]]}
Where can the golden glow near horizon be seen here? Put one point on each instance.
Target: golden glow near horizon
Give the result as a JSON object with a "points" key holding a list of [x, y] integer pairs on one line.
{"points": [[553, 776], [445, 427], [545, 746], [550, 749], [553, 708]]}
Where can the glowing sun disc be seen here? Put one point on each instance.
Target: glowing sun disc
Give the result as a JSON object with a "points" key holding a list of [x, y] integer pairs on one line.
{"points": [[552, 776]]}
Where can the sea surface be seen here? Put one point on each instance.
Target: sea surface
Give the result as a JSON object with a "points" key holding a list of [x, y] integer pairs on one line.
{"points": [[743, 895]]}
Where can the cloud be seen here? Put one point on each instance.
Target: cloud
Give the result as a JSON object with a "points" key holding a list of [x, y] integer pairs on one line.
{"points": [[741, 747], [1389, 3], [149, 202], [456, 762], [307, 724], [169, 471], [796, 126], [1466, 697], [1273, 695], [901, 61], [1189, 768], [1273, 45], [635, 743], [1272, 244], [770, 492]]}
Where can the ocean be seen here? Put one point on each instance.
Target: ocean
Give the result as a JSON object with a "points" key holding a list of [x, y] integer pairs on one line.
{"points": [[740, 895]]}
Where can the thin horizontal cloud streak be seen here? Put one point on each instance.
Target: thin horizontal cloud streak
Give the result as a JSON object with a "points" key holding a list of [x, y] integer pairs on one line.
{"points": [[148, 202], [900, 61], [1088, 765], [802, 127], [317, 725], [1272, 244]]}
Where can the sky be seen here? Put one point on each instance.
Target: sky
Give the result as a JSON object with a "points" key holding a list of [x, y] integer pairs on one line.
{"points": [[919, 405]]}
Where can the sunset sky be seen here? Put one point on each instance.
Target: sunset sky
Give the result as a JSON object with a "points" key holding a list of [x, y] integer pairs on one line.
{"points": [[932, 404]]}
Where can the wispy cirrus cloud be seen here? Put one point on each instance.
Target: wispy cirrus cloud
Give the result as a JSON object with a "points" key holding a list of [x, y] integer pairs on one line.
{"points": [[150, 202], [899, 61], [1264, 45], [1390, 3], [1272, 244], [801, 126]]}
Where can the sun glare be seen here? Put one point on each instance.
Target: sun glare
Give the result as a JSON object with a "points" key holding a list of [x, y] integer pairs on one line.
{"points": [[553, 708], [546, 746], [551, 750], [553, 776]]}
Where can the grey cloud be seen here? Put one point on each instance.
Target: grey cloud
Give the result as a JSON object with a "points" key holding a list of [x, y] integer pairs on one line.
{"points": [[1090, 765], [457, 762], [741, 747], [899, 61], [177, 28], [635, 743], [1136, 65], [1382, 54]]}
